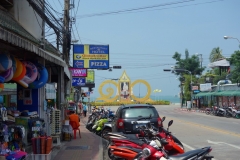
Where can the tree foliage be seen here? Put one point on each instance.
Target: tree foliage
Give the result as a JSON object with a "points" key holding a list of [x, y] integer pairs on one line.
{"points": [[235, 61], [215, 55], [189, 63]]}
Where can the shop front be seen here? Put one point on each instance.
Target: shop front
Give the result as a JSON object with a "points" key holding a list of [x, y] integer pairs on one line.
{"points": [[26, 113]]}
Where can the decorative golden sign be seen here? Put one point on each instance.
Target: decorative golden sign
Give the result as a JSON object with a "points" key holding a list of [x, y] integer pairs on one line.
{"points": [[124, 90]]}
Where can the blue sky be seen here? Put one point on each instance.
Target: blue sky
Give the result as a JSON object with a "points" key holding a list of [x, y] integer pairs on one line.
{"points": [[144, 41]]}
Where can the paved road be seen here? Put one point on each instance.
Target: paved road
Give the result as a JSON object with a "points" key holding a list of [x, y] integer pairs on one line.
{"points": [[197, 130]]}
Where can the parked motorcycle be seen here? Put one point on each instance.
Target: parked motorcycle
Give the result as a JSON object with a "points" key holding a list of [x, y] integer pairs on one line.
{"points": [[171, 147], [220, 111], [231, 112], [155, 150], [237, 114]]}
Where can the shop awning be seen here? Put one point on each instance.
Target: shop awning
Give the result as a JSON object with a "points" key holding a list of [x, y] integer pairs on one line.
{"points": [[203, 94], [28, 45], [227, 93]]}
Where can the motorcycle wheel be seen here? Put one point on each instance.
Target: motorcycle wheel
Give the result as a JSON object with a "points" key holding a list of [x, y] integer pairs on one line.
{"points": [[104, 133], [208, 157], [234, 114], [227, 115], [207, 112], [237, 116]]}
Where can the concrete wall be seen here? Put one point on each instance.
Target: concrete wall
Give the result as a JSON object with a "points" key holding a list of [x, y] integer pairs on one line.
{"points": [[28, 18]]}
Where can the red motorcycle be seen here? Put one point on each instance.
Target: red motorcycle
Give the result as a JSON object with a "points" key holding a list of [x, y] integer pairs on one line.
{"points": [[154, 150], [172, 147]]}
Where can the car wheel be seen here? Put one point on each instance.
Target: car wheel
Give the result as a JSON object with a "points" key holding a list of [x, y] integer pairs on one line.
{"points": [[104, 133]]}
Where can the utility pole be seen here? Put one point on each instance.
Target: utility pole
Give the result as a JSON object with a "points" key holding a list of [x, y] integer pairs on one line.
{"points": [[66, 33]]}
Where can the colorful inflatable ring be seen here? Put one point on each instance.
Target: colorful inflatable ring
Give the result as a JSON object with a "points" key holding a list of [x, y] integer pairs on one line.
{"points": [[5, 74], [31, 74], [1, 87], [14, 65], [10, 76], [5, 62], [20, 71], [42, 77], [2, 79]]}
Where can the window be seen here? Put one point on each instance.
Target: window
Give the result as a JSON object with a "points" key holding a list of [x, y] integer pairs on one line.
{"points": [[139, 112]]}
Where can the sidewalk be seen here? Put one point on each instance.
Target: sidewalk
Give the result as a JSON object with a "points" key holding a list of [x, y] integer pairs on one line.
{"points": [[192, 110], [88, 147]]}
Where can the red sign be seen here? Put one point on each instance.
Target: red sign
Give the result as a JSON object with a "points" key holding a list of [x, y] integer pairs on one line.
{"points": [[77, 72], [27, 102], [194, 88]]}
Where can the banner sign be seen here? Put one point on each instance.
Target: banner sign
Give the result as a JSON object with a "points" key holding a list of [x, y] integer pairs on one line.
{"points": [[196, 91], [90, 76], [206, 87], [77, 81], [194, 88], [50, 91], [91, 56], [77, 72]]}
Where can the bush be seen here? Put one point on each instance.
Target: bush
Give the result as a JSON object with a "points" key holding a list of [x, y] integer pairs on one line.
{"points": [[130, 102]]}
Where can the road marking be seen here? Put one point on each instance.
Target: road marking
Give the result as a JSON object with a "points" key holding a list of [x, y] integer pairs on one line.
{"points": [[189, 147], [219, 143], [210, 128]]}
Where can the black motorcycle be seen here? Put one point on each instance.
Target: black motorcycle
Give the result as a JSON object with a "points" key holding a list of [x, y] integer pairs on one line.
{"points": [[220, 112]]}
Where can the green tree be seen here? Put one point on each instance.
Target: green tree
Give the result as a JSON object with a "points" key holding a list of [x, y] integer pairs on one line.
{"points": [[235, 61], [215, 55], [188, 63]]}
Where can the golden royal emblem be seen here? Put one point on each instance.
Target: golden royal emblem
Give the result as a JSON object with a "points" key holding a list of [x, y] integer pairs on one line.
{"points": [[124, 90]]}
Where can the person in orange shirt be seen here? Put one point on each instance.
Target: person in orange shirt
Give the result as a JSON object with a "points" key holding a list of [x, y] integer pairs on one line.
{"points": [[75, 118]]}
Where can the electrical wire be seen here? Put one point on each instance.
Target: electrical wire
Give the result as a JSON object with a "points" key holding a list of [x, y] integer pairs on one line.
{"points": [[134, 9]]}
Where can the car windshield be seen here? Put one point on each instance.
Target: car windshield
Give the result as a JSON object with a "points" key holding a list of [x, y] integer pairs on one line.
{"points": [[139, 112]]}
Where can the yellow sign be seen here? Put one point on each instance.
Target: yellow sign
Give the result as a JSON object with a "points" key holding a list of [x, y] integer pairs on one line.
{"points": [[91, 56], [90, 76]]}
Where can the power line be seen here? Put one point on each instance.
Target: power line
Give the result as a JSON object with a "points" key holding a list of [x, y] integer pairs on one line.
{"points": [[60, 4], [137, 10], [133, 9]]}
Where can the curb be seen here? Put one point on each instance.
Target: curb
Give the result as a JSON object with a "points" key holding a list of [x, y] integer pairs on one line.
{"points": [[193, 110]]}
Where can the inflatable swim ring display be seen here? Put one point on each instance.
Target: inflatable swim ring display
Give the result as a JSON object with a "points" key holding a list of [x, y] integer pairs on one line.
{"points": [[14, 65], [30, 76], [5, 62], [1, 87], [20, 71], [42, 77], [10, 75]]}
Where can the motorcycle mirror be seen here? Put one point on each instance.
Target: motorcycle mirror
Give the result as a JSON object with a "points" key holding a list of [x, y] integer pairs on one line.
{"points": [[164, 141], [170, 123], [163, 118]]}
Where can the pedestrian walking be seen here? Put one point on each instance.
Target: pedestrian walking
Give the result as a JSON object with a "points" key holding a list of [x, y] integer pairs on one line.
{"points": [[84, 110]]}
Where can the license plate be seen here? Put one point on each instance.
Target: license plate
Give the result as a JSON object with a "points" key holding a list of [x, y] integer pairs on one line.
{"points": [[140, 125]]}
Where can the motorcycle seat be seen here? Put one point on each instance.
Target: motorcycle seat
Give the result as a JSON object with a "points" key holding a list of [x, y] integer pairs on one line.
{"points": [[139, 142], [120, 134], [131, 148], [189, 154]]}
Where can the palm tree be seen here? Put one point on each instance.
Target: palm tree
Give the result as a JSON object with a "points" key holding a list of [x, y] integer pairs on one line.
{"points": [[216, 55]]}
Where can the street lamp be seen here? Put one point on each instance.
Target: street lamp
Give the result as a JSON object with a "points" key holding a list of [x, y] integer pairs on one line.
{"points": [[229, 37], [200, 60]]}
